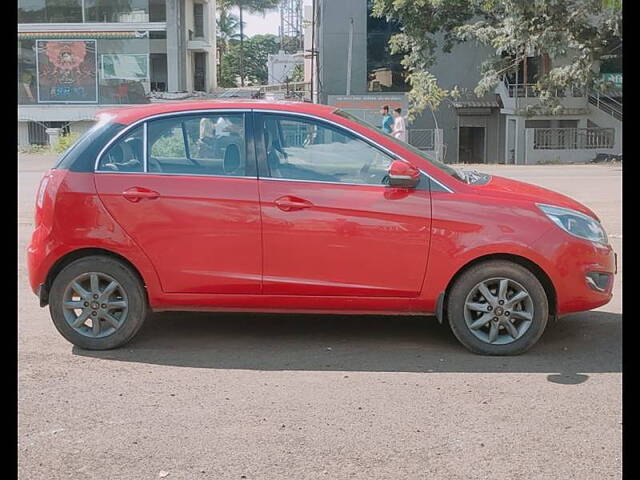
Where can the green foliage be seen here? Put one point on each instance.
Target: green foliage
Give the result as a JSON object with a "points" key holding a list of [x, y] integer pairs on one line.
{"points": [[297, 74], [426, 25], [169, 146], [256, 51], [576, 32], [252, 6], [64, 142]]}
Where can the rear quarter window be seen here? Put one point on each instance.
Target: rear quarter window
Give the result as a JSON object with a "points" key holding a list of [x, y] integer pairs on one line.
{"points": [[81, 156]]}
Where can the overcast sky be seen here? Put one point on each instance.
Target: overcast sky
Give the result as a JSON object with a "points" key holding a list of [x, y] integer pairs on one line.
{"points": [[257, 24]]}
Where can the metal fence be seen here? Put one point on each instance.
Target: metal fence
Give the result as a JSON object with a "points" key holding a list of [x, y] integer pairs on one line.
{"points": [[36, 132], [423, 139], [530, 90], [572, 138]]}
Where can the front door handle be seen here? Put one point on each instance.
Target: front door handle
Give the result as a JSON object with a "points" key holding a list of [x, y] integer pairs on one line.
{"points": [[135, 194], [289, 203]]}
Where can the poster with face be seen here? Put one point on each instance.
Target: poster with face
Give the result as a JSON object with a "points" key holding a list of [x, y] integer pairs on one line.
{"points": [[66, 71]]}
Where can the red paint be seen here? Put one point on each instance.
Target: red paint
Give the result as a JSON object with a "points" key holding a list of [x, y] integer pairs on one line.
{"points": [[224, 243]]}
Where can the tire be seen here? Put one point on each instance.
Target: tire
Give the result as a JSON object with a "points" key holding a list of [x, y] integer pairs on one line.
{"points": [[466, 292], [125, 307]]}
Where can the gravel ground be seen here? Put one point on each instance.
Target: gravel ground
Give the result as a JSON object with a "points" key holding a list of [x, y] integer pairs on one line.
{"points": [[231, 396]]}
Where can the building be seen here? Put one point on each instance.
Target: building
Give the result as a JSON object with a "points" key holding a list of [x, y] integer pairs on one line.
{"points": [[281, 66], [354, 70], [79, 56]]}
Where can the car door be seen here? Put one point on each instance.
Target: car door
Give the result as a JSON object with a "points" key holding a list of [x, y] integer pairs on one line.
{"points": [[330, 224], [189, 199]]}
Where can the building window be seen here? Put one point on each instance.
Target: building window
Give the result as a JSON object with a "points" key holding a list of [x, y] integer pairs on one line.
{"points": [[123, 11], [104, 70], [157, 10], [27, 92], [384, 70], [198, 20], [49, 11], [199, 71], [124, 71]]}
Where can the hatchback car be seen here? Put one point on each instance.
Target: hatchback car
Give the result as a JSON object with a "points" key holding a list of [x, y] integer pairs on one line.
{"points": [[295, 207]]}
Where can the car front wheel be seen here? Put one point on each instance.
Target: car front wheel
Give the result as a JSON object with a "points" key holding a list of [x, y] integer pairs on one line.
{"points": [[497, 308], [97, 303]]}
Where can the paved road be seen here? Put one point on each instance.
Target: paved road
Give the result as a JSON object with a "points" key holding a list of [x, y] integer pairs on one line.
{"points": [[231, 396]]}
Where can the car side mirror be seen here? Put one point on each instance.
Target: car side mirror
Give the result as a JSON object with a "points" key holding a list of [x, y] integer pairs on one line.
{"points": [[403, 175]]}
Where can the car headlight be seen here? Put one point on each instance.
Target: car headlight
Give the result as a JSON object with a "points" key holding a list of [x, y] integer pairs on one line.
{"points": [[576, 223]]}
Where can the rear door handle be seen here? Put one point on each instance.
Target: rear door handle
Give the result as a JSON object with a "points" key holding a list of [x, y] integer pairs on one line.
{"points": [[289, 203], [135, 194]]}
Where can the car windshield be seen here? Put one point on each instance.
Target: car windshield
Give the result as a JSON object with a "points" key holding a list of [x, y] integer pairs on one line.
{"points": [[460, 175]]}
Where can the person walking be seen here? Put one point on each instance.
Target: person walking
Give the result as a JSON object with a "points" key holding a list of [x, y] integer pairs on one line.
{"points": [[399, 126], [387, 120]]}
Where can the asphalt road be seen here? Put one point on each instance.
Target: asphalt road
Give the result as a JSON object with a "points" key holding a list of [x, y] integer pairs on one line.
{"points": [[231, 396]]}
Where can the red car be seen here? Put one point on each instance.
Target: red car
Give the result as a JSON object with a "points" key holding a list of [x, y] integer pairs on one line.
{"points": [[295, 207]]}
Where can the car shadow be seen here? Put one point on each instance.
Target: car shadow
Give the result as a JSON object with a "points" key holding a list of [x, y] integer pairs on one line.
{"points": [[573, 346]]}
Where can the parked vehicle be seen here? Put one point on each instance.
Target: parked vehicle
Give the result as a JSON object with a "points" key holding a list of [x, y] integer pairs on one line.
{"points": [[295, 207]]}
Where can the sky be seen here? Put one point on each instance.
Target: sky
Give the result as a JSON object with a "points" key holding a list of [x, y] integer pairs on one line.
{"points": [[259, 25]]}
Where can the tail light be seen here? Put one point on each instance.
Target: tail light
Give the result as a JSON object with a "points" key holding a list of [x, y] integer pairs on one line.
{"points": [[44, 196]]}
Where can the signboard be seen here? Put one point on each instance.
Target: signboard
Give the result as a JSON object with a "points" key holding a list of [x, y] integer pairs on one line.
{"points": [[66, 71], [368, 102], [367, 107], [125, 67], [615, 78]]}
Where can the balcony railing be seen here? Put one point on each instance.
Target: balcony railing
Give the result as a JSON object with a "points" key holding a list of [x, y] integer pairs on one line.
{"points": [[572, 138], [528, 90]]}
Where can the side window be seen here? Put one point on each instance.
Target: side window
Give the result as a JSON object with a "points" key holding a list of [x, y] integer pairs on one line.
{"points": [[211, 144], [307, 150], [126, 154]]}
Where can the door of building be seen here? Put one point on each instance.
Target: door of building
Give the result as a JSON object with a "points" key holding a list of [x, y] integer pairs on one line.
{"points": [[471, 145]]}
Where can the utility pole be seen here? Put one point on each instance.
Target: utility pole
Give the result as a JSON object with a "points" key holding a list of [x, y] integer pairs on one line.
{"points": [[241, 46]]}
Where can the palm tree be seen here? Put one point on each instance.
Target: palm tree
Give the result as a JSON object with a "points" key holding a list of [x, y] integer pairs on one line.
{"points": [[253, 6], [228, 26]]}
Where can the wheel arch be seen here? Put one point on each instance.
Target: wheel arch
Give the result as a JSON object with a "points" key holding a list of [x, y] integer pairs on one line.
{"points": [[535, 269], [74, 255]]}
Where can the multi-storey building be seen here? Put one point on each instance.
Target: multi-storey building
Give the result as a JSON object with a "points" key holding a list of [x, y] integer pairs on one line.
{"points": [[76, 57], [354, 69]]}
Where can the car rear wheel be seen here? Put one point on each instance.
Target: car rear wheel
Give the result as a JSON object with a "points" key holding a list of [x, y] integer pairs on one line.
{"points": [[97, 303], [497, 308]]}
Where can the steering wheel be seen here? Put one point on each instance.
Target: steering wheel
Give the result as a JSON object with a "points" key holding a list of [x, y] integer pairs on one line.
{"points": [[364, 171]]}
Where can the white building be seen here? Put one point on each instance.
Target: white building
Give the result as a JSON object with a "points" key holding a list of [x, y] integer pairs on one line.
{"points": [[79, 57]]}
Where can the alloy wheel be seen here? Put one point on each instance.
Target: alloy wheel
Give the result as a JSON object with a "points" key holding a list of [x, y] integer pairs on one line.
{"points": [[95, 304], [498, 311]]}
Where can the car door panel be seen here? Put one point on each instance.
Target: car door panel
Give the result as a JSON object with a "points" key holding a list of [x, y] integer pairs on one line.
{"points": [[202, 232], [335, 238], [351, 240]]}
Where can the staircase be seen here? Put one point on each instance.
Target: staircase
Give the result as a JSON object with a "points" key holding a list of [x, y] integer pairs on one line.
{"points": [[609, 105]]}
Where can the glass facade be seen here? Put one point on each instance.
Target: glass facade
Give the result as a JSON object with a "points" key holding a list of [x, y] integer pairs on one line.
{"points": [[98, 67], [118, 11], [91, 11], [108, 69], [384, 70], [49, 11]]}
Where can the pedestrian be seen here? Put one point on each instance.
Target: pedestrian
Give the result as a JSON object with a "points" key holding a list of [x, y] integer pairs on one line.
{"points": [[387, 120], [399, 125]]}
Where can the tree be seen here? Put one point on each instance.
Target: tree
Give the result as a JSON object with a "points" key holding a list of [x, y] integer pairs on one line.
{"points": [[579, 31], [257, 50], [253, 6], [228, 27]]}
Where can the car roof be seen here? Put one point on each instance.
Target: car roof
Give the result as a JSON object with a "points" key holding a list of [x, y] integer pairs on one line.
{"points": [[130, 114]]}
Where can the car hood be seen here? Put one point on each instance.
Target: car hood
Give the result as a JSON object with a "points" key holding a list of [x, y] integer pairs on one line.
{"points": [[515, 190]]}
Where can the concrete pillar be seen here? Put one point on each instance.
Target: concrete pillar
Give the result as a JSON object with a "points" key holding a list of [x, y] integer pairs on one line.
{"points": [[54, 135], [176, 46]]}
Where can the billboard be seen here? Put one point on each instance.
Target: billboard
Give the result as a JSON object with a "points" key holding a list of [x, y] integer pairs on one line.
{"points": [[66, 71], [125, 67]]}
